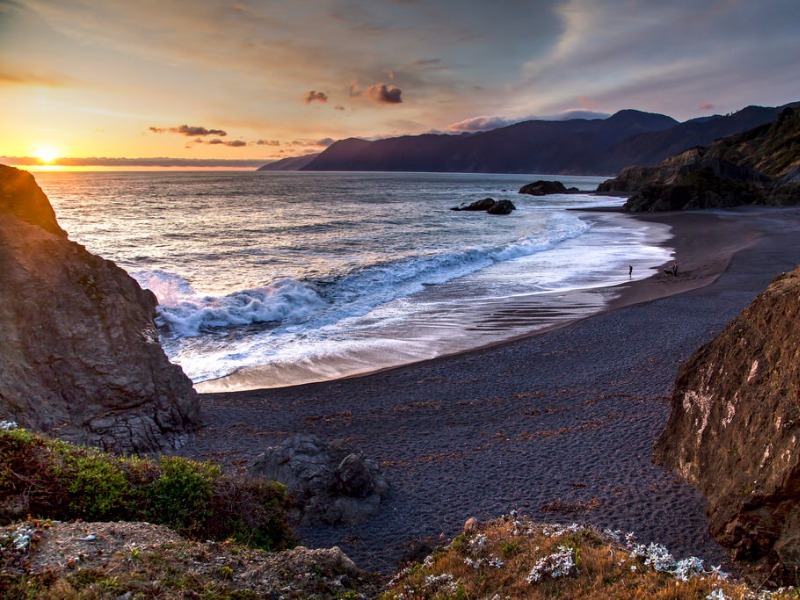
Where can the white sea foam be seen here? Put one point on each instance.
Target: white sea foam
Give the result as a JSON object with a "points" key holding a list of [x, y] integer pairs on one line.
{"points": [[187, 313], [316, 275]]}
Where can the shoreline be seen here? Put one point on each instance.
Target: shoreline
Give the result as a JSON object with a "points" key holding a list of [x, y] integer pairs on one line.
{"points": [[555, 309], [558, 425]]}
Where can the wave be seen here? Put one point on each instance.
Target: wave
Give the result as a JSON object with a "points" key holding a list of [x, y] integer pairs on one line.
{"points": [[318, 303], [184, 313]]}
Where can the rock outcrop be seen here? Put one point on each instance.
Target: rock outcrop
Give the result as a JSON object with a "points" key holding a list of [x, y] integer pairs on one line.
{"points": [[759, 166], [489, 205], [80, 356], [543, 188], [327, 483], [734, 430]]}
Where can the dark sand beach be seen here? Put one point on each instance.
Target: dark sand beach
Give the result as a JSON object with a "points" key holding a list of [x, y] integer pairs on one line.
{"points": [[559, 425]]}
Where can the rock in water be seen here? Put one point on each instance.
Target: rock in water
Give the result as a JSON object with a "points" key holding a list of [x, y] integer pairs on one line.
{"points": [[478, 205], [80, 356], [543, 188], [734, 431], [327, 483], [502, 207]]}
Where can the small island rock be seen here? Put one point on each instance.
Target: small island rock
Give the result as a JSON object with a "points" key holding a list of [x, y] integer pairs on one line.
{"points": [[543, 188]]}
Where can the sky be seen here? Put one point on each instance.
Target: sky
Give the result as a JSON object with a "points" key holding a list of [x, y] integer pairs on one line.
{"points": [[239, 82]]}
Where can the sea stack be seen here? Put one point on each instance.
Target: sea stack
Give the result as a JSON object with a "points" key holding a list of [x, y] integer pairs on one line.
{"points": [[80, 356], [734, 430]]}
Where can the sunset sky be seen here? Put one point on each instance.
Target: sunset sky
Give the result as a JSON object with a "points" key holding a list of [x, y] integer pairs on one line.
{"points": [[263, 79]]}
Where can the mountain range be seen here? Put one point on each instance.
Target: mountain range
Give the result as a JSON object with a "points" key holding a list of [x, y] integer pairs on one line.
{"points": [[571, 147]]}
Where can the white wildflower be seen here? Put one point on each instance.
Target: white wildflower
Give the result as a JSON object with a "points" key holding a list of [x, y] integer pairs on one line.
{"points": [[659, 557], [687, 568], [558, 564], [22, 538], [8, 425], [495, 562], [477, 543], [717, 594], [441, 583], [559, 530]]}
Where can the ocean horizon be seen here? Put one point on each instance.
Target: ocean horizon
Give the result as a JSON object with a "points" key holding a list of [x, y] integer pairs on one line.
{"points": [[275, 279]]}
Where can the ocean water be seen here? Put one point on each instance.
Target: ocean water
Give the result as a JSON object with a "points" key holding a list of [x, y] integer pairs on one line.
{"points": [[272, 279]]}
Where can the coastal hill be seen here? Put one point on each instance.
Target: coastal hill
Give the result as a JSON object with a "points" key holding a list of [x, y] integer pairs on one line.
{"points": [[759, 166], [734, 428], [80, 355], [576, 146]]}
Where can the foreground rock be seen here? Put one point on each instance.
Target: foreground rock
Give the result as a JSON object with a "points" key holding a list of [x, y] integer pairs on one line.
{"points": [[133, 560], [734, 431], [80, 356], [760, 166], [327, 483], [543, 188]]}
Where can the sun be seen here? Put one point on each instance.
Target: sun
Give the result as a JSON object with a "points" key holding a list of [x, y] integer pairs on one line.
{"points": [[46, 154]]}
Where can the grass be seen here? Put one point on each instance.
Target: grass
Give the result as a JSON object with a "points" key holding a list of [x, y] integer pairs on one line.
{"points": [[47, 478], [516, 558]]}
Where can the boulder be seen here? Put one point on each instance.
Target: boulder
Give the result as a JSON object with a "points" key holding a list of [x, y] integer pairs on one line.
{"points": [[327, 483], [478, 205], [734, 429], [543, 188], [80, 356], [502, 207]]}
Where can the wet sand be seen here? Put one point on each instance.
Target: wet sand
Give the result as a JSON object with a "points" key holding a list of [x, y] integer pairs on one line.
{"points": [[559, 425]]}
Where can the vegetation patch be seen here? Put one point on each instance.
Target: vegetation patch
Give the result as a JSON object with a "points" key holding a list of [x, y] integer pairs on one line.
{"points": [[513, 557], [46, 478]]}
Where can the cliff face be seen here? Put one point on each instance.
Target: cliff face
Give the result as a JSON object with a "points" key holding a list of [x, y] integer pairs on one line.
{"points": [[80, 355], [758, 166], [734, 430]]}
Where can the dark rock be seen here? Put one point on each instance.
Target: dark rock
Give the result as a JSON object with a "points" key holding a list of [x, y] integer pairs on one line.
{"points": [[759, 166], [80, 356], [353, 477], [502, 207], [734, 430], [543, 188], [478, 205], [327, 483]]}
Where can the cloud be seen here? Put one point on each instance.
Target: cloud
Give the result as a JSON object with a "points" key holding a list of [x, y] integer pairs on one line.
{"points": [[268, 143], [482, 123], [95, 161], [705, 106], [485, 123], [231, 143], [189, 130], [314, 96], [338, 107], [11, 77], [325, 142], [383, 94]]}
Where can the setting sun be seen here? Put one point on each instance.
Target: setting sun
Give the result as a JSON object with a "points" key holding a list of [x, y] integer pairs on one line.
{"points": [[46, 154]]}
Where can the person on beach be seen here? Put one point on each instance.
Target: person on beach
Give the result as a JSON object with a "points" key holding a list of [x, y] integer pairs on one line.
{"points": [[675, 269], [630, 270]]}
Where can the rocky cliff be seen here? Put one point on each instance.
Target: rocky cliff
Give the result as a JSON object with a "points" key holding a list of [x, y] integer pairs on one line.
{"points": [[734, 430], [759, 166], [80, 355]]}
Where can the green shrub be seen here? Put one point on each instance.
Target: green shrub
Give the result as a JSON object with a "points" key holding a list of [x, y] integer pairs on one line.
{"points": [[51, 479], [99, 489], [180, 497]]}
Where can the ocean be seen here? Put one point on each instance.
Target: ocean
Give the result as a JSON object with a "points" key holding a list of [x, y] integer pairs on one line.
{"points": [[275, 279]]}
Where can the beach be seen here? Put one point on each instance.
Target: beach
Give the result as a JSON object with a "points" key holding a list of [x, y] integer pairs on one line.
{"points": [[558, 425]]}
